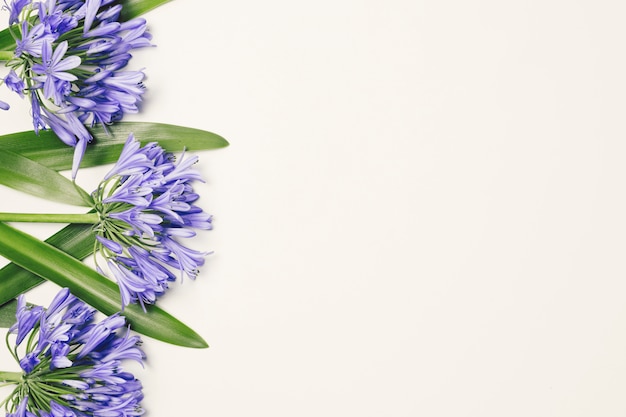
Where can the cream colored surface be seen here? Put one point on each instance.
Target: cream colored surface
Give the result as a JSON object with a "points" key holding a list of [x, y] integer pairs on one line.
{"points": [[421, 212]]}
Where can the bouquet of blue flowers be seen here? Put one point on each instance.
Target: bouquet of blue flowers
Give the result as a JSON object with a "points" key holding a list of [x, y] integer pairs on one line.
{"points": [[68, 58]]}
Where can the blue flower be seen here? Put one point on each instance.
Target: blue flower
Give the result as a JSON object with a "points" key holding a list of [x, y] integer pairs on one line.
{"points": [[14, 83], [16, 8], [53, 71], [146, 206], [32, 40], [72, 365], [69, 60]]}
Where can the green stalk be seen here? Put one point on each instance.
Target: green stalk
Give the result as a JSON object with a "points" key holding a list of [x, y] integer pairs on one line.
{"points": [[11, 377], [86, 218]]}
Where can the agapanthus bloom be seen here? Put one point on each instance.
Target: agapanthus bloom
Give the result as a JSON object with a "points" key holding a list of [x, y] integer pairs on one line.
{"points": [[71, 364], [146, 205], [69, 61]]}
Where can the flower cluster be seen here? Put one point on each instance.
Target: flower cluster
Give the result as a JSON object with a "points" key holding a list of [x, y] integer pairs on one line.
{"points": [[72, 364], [69, 61], [145, 205]]}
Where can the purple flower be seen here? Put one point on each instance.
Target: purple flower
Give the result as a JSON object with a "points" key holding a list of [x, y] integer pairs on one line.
{"points": [[32, 40], [146, 206], [15, 8], [69, 60], [72, 366], [14, 83], [28, 316], [53, 70]]}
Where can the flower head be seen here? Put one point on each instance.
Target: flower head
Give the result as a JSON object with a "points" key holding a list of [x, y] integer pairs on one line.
{"points": [[146, 205], [69, 60], [71, 365]]}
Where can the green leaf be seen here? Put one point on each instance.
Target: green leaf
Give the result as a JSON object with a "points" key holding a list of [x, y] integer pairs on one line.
{"points": [[48, 150], [75, 239], [28, 176], [134, 8], [7, 313], [7, 43], [54, 265]]}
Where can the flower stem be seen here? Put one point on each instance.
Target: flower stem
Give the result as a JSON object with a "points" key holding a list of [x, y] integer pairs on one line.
{"points": [[11, 377], [6, 55], [87, 218]]}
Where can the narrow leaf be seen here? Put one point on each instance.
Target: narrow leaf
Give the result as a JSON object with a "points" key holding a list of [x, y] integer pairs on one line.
{"points": [[54, 265], [25, 175], [48, 150], [7, 43], [74, 239], [7, 313], [134, 8]]}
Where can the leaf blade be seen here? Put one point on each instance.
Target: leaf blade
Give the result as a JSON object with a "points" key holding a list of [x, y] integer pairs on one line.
{"points": [[75, 239], [49, 151], [7, 313], [134, 8], [7, 43], [85, 283], [23, 174]]}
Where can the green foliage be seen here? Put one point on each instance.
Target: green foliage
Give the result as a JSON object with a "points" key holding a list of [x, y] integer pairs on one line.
{"points": [[25, 175]]}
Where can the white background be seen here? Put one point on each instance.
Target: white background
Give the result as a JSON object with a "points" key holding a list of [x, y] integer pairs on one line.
{"points": [[421, 212]]}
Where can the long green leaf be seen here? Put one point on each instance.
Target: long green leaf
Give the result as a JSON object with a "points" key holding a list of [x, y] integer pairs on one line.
{"points": [[48, 150], [6, 41], [54, 265], [7, 313], [75, 239], [25, 175], [134, 8]]}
